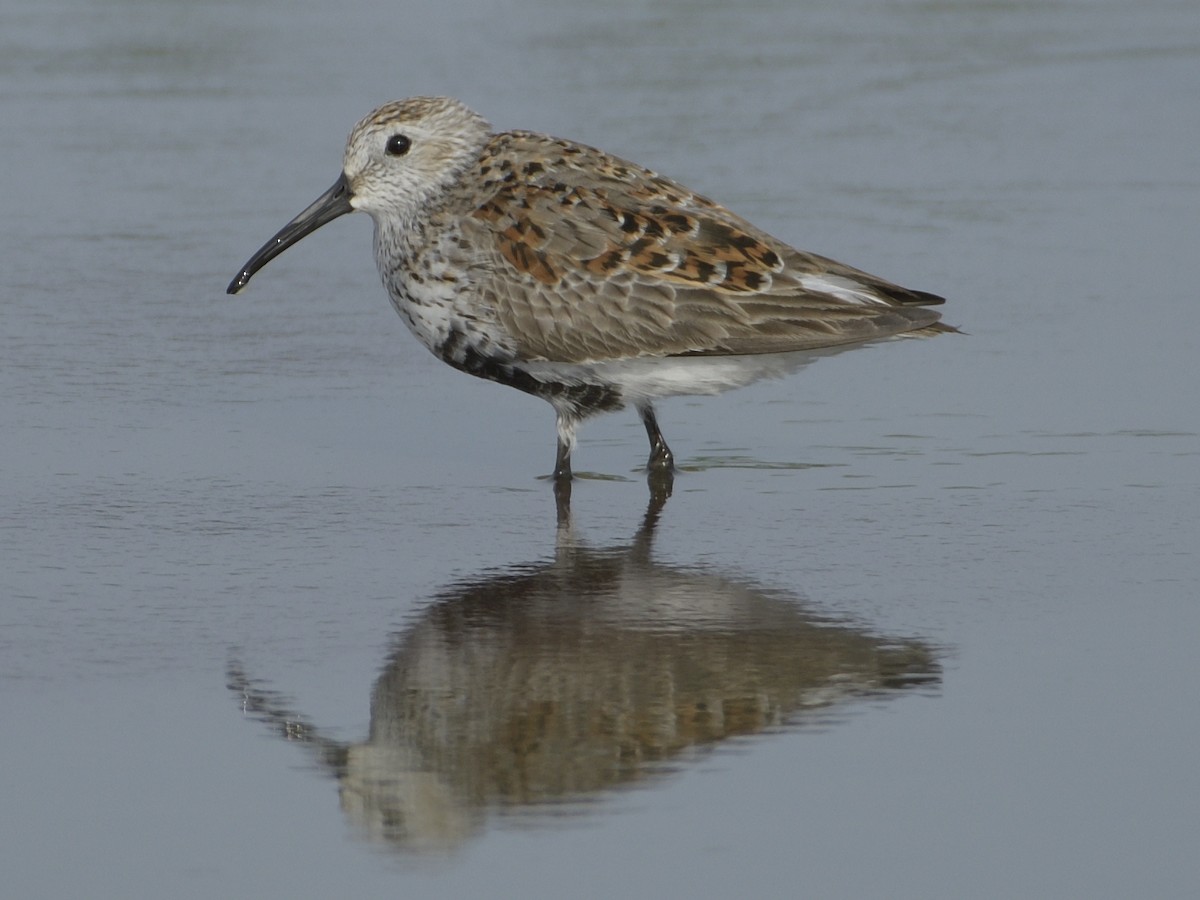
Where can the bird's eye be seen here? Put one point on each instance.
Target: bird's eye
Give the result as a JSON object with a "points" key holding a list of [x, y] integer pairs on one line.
{"points": [[398, 144]]}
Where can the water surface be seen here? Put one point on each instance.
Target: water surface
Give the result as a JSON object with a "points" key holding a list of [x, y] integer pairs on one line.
{"points": [[917, 621]]}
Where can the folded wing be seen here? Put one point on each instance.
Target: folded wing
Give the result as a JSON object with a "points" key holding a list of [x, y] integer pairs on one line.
{"points": [[641, 266]]}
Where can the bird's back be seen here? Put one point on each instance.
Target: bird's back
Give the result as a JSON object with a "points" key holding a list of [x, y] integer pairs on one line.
{"points": [[586, 257]]}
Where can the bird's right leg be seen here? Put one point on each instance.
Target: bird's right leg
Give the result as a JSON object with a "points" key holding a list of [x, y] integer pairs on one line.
{"points": [[562, 463], [566, 424]]}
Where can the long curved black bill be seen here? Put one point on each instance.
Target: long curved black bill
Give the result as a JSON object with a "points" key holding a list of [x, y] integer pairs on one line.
{"points": [[331, 204]]}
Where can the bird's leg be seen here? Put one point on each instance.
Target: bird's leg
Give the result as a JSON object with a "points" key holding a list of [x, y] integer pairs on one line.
{"points": [[562, 506], [660, 468], [566, 443], [661, 457], [562, 463]]}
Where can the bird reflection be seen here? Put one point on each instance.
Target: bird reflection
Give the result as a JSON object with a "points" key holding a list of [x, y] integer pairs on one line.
{"points": [[535, 690]]}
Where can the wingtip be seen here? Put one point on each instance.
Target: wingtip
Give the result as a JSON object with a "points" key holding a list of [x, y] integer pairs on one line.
{"points": [[924, 298]]}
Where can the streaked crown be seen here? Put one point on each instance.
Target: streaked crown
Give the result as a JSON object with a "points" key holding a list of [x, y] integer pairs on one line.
{"points": [[404, 153]]}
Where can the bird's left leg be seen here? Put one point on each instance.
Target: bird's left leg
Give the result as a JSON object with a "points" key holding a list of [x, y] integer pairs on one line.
{"points": [[661, 457]]}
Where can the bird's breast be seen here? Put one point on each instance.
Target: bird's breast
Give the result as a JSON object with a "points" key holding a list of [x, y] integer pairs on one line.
{"points": [[430, 288]]}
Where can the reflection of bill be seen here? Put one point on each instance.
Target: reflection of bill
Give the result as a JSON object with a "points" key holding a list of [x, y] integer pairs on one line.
{"points": [[534, 689]]}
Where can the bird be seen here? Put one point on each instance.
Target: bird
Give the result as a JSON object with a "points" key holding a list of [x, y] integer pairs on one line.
{"points": [[582, 278]]}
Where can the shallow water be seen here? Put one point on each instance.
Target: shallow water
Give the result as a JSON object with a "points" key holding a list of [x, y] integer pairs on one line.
{"points": [[286, 610]]}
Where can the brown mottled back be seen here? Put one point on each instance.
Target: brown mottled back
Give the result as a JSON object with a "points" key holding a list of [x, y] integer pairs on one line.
{"points": [[593, 258]]}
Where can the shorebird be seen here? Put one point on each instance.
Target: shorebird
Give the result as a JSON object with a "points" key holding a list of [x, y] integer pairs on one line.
{"points": [[582, 278]]}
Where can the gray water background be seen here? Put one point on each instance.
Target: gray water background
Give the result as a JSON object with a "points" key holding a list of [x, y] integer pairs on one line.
{"points": [[284, 493]]}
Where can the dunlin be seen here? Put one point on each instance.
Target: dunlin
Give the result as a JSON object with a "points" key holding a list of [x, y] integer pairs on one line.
{"points": [[581, 278]]}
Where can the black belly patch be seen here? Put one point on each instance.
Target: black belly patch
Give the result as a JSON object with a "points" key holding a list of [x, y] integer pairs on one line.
{"points": [[584, 399]]}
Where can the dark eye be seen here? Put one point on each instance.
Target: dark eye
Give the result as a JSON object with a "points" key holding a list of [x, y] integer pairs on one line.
{"points": [[398, 145]]}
